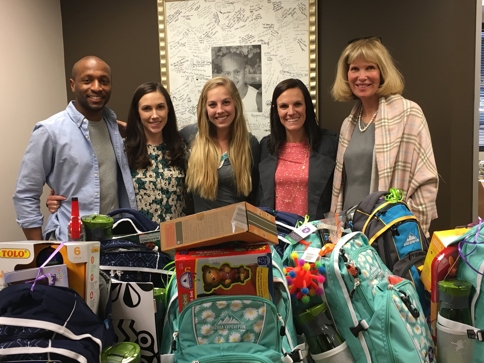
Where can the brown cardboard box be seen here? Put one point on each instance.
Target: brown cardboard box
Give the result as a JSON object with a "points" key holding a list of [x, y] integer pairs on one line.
{"points": [[235, 222]]}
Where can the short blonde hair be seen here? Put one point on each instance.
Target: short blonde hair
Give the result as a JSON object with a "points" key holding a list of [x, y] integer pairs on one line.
{"points": [[202, 172], [372, 50]]}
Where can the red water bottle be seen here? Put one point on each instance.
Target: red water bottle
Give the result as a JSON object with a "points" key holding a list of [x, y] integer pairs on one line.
{"points": [[75, 230]]}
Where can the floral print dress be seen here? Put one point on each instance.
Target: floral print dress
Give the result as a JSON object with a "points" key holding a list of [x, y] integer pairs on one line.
{"points": [[160, 188]]}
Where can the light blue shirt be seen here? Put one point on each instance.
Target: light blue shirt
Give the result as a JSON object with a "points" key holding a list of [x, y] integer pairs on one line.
{"points": [[60, 154]]}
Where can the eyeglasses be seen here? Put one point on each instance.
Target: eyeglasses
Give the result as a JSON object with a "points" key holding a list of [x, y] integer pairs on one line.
{"points": [[372, 37]]}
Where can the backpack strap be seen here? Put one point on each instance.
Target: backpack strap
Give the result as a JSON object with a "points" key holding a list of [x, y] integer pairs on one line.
{"points": [[384, 229], [375, 211], [142, 223]]}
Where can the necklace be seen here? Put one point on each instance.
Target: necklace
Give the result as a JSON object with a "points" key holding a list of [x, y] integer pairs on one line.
{"points": [[224, 157], [363, 129]]}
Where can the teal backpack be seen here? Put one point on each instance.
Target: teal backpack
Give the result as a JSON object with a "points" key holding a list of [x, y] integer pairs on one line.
{"points": [[471, 268], [246, 328], [304, 236], [378, 314]]}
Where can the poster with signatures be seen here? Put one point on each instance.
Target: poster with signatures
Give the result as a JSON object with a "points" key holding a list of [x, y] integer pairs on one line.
{"points": [[256, 43]]}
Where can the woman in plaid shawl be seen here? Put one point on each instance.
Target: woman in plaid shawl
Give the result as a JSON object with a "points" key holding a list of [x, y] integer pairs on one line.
{"points": [[385, 141]]}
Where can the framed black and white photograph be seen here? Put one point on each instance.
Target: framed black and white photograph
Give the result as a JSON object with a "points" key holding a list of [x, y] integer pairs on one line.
{"points": [[256, 43], [242, 64]]}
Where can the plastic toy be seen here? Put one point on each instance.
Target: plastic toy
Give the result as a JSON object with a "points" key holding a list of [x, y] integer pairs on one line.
{"points": [[224, 276], [304, 279]]}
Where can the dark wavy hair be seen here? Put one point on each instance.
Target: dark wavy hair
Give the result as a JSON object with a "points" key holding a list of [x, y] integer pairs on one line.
{"points": [[136, 150], [278, 131]]}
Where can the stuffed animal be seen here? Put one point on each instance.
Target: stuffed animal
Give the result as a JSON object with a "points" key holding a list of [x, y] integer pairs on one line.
{"points": [[224, 276]]}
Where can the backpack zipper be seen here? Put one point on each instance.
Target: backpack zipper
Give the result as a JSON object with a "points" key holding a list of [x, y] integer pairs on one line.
{"points": [[288, 305], [476, 294], [342, 284], [412, 308], [246, 358], [387, 322]]}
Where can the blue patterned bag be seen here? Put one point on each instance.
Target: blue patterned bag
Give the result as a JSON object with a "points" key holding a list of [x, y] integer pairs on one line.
{"points": [[50, 322], [132, 262], [377, 313], [286, 223]]}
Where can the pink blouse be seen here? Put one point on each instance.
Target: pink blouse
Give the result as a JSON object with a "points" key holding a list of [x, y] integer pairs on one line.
{"points": [[291, 179]]}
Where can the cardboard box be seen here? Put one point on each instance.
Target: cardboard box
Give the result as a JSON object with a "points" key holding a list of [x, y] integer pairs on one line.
{"points": [[244, 270], [235, 222], [440, 240], [133, 314], [81, 259], [55, 275]]}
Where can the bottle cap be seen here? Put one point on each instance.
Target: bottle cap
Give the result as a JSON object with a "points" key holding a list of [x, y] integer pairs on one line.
{"points": [[125, 352], [97, 221], [455, 287], [98, 227], [454, 294]]}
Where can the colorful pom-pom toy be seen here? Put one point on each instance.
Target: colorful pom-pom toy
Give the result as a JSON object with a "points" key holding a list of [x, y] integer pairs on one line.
{"points": [[304, 279]]}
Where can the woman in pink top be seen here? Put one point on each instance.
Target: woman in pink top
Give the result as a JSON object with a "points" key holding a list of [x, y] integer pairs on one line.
{"points": [[298, 157]]}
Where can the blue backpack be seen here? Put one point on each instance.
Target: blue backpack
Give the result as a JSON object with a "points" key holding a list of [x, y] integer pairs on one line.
{"points": [[129, 221], [232, 328], [377, 313], [286, 222], [133, 262], [395, 233], [50, 322]]}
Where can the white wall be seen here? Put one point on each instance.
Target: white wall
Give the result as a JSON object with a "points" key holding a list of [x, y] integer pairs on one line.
{"points": [[32, 88]]}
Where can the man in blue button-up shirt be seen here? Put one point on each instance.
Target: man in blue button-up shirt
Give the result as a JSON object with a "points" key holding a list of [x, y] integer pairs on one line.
{"points": [[78, 153]]}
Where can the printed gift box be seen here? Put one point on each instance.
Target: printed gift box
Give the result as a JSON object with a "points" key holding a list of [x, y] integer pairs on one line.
{"points": [[235, 270]]}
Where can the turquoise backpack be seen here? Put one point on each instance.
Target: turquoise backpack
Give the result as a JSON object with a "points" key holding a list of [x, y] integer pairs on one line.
{"points": [[471, 268], [302, 237], [377, 313], [245, 328]]}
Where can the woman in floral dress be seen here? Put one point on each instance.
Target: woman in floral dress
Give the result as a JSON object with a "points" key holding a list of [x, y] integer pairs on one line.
{"points": [[156, 153]]}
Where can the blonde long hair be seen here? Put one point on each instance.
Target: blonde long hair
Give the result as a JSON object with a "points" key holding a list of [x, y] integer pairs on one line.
{"points": [[202, 173]]}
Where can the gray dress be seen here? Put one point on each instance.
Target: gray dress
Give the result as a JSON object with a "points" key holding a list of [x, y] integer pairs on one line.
{"points": [[358, 161]]}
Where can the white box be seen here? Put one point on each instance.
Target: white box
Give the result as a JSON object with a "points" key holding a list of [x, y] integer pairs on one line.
{"points": [[133, 315], [81, 259], [55, 273]]}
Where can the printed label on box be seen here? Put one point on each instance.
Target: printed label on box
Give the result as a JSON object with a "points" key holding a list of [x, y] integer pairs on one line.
{"points": [[244, 270]]}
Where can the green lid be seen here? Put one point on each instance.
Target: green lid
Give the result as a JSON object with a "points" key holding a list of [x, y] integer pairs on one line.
{"points": [[455, 287], [97, 221], [312, 312], [125, 352]]}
